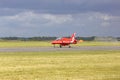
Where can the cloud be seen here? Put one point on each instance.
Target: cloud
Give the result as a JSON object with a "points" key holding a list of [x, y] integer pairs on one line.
{"points": [[34, 18], [64, 6], [36, 24], [31, 23], [59, 17]]}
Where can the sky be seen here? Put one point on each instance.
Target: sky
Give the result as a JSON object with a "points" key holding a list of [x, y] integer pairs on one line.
{"points": [[29, 18]]}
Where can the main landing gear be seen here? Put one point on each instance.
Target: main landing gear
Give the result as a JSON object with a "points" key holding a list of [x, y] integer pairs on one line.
{"points": [[68, 46], [60, 46]]}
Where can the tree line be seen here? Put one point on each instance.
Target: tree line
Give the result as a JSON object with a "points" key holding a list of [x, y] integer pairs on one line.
{"points": [[43, 38]]}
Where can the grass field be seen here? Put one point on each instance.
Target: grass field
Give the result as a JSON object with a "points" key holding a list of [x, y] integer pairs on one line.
{"points": [[61, 65], [48, 43], [25, 43]]}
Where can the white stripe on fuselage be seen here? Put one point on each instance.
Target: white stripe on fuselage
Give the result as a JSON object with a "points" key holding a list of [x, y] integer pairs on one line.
{"points": [[73, 38]]}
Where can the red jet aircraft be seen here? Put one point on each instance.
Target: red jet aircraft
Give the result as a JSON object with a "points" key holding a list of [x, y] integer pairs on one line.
{"points": [[65, 41]]}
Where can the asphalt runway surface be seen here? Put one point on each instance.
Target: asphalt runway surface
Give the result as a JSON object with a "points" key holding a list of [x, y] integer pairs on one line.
{"points": [[44, 49]]}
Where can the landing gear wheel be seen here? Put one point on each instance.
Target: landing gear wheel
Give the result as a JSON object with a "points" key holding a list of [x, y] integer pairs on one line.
{"points": [[69, 46], [60, 46], [54, 46]]}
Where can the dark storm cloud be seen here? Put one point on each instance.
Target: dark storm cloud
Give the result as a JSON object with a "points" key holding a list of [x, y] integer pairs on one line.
{"points": [[59, 17], [35, 24], [64, 6]]}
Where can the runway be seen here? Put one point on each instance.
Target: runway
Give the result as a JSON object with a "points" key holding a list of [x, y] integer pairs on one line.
{"points": [[44, 49]]}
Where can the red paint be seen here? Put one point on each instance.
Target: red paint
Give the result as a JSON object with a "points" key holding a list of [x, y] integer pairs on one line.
{"points": [[65, 41]]}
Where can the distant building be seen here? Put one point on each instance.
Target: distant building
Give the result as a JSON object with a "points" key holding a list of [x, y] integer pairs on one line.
{"points": [[105, 39], [118, 38]]}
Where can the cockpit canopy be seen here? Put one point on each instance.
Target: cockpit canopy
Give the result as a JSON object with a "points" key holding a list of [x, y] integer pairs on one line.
{"points": [[58, 38]]}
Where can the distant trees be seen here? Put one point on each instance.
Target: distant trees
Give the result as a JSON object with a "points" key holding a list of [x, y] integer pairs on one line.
{"points": [[118, 38], [44, 38], [41, 38], [86, 38], [29, 38]]}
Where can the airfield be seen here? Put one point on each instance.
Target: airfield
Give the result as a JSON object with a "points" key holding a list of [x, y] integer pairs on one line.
{"points": [[41, 61], [43, 49], [44, 46]]}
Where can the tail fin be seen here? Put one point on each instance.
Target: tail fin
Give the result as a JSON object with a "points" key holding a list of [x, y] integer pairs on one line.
{"points": [[73, 37]]}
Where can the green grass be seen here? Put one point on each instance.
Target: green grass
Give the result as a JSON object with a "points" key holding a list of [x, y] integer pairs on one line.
{"points": [[60, 65], [48, 43], [24, 43], [94, 43]]}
